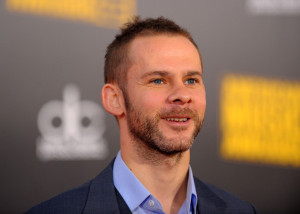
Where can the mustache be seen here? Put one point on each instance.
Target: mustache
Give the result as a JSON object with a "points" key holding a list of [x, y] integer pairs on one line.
{"points": [[177, 111]]}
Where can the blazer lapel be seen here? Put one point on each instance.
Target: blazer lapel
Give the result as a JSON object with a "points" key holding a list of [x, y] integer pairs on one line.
{"points": [[102, 197], [208, 201]]}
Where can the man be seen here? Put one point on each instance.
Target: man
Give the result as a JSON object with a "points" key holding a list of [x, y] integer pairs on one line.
{"points": [[154, 88]]}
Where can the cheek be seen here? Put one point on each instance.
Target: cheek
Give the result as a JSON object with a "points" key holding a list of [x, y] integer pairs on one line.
{"points": [[150, 101], [201, 102]]}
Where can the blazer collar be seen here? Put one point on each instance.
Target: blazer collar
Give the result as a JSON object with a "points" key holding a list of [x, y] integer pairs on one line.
{"points": [[208, 201], [102, 196]]}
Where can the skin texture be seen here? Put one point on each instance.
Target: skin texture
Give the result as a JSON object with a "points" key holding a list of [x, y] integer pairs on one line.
{"points": [[166, 98]]}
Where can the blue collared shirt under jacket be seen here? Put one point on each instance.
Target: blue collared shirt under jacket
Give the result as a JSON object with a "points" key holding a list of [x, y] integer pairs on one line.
{"points": [[139, 199]]}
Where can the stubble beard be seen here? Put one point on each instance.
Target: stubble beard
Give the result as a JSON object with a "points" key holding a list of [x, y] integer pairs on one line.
{"points": [[145, 129]]}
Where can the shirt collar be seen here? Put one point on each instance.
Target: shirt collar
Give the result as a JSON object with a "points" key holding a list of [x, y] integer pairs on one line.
{"points": [[191, 194], [133, 191], [130, 188]]}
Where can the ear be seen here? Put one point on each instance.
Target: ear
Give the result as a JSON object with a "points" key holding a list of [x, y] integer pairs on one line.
{"points": [[112, 99]]}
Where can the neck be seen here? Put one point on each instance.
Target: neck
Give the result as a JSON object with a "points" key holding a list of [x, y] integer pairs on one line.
{"points": [[165, 176]]}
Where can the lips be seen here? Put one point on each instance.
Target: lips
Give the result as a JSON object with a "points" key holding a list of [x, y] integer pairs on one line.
{"points": [[176, 119], [177, 115]]}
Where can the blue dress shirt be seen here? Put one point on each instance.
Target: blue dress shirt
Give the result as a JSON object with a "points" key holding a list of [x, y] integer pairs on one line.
{"points": [[139, 199]]}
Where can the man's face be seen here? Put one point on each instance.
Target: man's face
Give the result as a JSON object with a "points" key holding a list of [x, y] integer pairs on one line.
{"points": [[165, 93]]}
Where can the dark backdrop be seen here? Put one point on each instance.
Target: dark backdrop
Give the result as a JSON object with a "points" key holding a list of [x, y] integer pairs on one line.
{"points": [[41, 51]]}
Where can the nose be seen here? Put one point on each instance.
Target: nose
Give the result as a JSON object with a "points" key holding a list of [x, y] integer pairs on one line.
{"points": [[179, 95]]}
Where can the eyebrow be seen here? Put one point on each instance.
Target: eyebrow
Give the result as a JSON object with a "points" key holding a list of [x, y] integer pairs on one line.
{"points": [[155, 73], [194, 73], [166, 73]]}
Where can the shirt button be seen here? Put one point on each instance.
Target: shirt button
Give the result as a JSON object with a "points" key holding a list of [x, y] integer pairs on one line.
{"points": [[151, 203]]}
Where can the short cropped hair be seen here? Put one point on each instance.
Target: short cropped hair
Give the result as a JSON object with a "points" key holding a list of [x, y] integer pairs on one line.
{"points": [[116, 58]]}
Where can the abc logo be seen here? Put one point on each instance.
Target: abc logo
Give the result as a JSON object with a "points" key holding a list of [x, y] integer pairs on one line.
{"points": [[71, 128]]}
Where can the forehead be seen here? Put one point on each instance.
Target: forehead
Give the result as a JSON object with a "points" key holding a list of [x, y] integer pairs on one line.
{"points": [[159, 48]]}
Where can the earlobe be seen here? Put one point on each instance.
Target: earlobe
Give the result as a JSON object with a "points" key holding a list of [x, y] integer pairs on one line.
{"points": [[111, 99]]}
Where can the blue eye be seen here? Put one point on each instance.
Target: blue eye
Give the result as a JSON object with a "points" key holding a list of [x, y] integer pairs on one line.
{"points": [[190, 81], [157, 81]]}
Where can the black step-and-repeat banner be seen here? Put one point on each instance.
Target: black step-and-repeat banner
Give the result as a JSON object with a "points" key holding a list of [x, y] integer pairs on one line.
{"points": [[55, 135]]}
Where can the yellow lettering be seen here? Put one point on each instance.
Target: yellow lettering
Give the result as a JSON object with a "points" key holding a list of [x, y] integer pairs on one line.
{"points": [[260, 120], [105, 13]]}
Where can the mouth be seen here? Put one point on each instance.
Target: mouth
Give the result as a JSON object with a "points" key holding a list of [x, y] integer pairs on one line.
{"points": [[177, 119]]}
